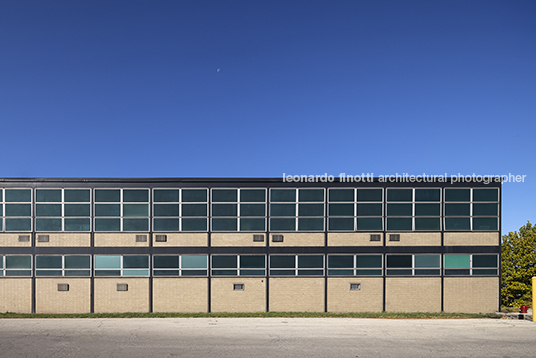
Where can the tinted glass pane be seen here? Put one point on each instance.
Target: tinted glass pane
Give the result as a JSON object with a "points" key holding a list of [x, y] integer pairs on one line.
{"points": [[166, 272], [485, 261], [282, 261], [135, 209], [48, 209], [282, 224], [107, 210], [336, 261], [457, 261], [431, 224], [18, 273], [194, 195], [282, 195], [77, 262], [108, 273], [310, 272], [485, 272], [107, 262], [161, 262], [166, 210], [252, 224], [399, 195], [399, 224], [340, 272], [252, 209], [77, 210], [427, 209], [485, 224], [48, 224], [18, 262], [224, 209], [166, 195], [48, 262], [427, 194], [48, 195], [399, 272], [485, 195], [77, 224], [311, 195], [369, 224], [370, 209], [194, 209], [224, 224], [223, 272], [252, 195], [369, 194], [194, 272], [18, 209], [135, 262], [457, 209], [341, 209], [427, 272], [79, 273], [194, 262], [457, 194], [135, 195], [136, 225], [224, 261], [457, 272], [399, 209], [252, 272], [48, 273], [107, 196], [282, 209], [76, 195], [224, 195], [194, 224], [341, 195], [253, 261], [485, 210], [368, 261], [399, 261], [18, 224], [368, 272], [457, 224], [107, 224], [166, 224], [341, 224], [135, 272], [310, 224], [18, 195], [310, 261], [425, 261], [282, 272], [311, 209]]}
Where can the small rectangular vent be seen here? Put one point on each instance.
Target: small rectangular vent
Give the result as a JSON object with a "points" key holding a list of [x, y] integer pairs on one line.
{"points": [[258, 238], [394, 237], [63, 287], [24, 238], [238, 287], [42, 238], [375, 237], [277, 238], [160, 238], [141, 238], [355, 287], [122, 287]]}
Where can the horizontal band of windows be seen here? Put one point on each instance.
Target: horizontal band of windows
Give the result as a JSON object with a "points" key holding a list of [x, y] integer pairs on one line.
{"points": [[478, 224], [121, 273], [467, 272], [178, 210], [478, 195], [359, 272], [238, 272], [409, 272], [176, 224], [232, 210], [174, 195], [180, 261], [118, 224], [342, 195], [239, 224], [407, 195], [304, 195], [176, 273], [296, 272], [65, 273], [354, 261], [239, 195], [417, 224], [303, 224], [355, 210], [127, 195]]}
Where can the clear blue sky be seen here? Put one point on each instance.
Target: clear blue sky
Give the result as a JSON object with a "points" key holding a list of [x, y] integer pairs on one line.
{"points": [[258, 88]]}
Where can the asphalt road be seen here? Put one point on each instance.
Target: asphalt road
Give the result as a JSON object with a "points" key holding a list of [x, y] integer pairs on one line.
{"points": [[266, 337]]}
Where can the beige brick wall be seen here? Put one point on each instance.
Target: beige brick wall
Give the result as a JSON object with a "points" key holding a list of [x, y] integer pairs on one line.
{"points": [[12, 239], [415, 239], [108, 299], [413, 294], [471, 238], [251, 299], [236, 239], [119, 239], [296, 294], [471, 294], [56, 239], [16, 295], [182, 239], [368, 299], [353, 239], [49, 300], [182, 294], [299, 239]]}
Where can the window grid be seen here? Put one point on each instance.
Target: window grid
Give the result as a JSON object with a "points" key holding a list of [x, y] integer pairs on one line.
{"points": [[126, 219], [412, 221], [356, 218], [15, 222], [415, 270], [180, 270], [455, 222], [241, 217], [296, 270], [183, 222], [63, 271], [355, 270], [470, 270], [67, 222], [121, 270], [299, 221], [239, 269], [15, 269]]}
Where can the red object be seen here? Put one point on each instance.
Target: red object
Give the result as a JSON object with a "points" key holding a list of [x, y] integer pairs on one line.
{"points": [[524, 308]]}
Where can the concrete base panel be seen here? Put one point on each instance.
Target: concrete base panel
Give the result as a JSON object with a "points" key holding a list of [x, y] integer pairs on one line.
{"points": [[180, 294], [471, 294], [108, 299], [471, 239], [49, 300], [16, 295], [296, 294], [368, 299], [12, 240], [224, 298], [413, 294]]}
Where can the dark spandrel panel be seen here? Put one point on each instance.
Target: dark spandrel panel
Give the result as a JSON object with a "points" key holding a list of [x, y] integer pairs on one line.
{"points": [[457, 224], [457, 194], [485, 272], [48, 225], [251, 224], [135, 224], [107, 196], [194, 272], [340, 261], [252, 210], [48, 195], [399, 209], [457, 209], [194, 224], [428, 272], [135, 195], [370, 209], [310, 272], [341, 209], [427, 209], [399, 224], [224, 209], [107, 209], [253, 195], [167, 209], [18, 273], [277, 224], [252, 261], [166, 273], [427, 261], [252, 272], [135, 262], [306, 224], [18, 224], [399, 261], [107, 224], [310, 261], [398, 272], [224, 272], [77, 262], [399, 195], [485, 224], [48, 210], [77, 195], [194, 195], [282, 273], [341, 224], [340, 272], [485, 261], [48, 273], [18, 209], [77, 210], [224, 224], [341, 195], [369, 195], [133, 210], [77, 273], [224, 195], [311, 209], [194, 209], [224, 261], [165, 262], [368, 261], [167, 224], [282, 209], [485, 210], [18, 195], [277, 195], [107, 273], [305, 195], [48, 262], [457, 272], [427, 224], [166, 196], [485, 195], [18, 262], [369, 224], [368, 272], [427, 194], [282, 261]]}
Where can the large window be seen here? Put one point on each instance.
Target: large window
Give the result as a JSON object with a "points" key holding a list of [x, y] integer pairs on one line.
{"points": [[355, 265], [180, 265], [16, 265], [238, 265], [416, 209], [239, 209], [297, 210], [413, 265], [110, 265], [63, 210], [296, 265], [471, 209], [476, 265], [121, 210], [16, 209], [68, 265], [352, 209], [180, 210]]}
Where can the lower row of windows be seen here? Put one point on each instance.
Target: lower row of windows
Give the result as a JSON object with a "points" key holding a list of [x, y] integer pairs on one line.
{"points": [[250, 265]]}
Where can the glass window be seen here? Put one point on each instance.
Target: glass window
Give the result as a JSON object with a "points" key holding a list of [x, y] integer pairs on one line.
{"points": [[283, 209], [18, 224], [399, 194], [457, 261], [77, 210], [311, 209], [341, 224], [18, 209], [252, 210], [135, 210], [485, 261], [18, 262], [48, 209], [107, 210], [457, 209], [48, 195], [457, 194], [483, 224], [224, 195], [341, 210], [135, 195], [485, 210], [167, 195], [224, 210], [427, 224], [224, 261], [194, 261], [485, 195], [370, 209], [107, 195], [428, 209], [460, 224], [252, 195], [340, 261], [194, 195], [130, 262], [282, 261], [427, 194], [282, 195], [306, 195], [77, 262], [198, 224], [399, 224], [18, 195], [341, 195], [369, 194], [76, 195], [310, 261], [399, 209], [166, 262], [368, 261], [48, 224], [369, 224], [107, 224]]}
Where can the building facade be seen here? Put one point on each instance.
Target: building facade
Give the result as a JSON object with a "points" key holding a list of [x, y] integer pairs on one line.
{"points": [[248, 245]]}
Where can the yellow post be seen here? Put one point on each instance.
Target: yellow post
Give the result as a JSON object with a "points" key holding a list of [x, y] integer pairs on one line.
{"points": [[533, 298]]}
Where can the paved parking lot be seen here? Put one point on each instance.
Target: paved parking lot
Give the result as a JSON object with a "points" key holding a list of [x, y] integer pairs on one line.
{"points": [[266, 337]]}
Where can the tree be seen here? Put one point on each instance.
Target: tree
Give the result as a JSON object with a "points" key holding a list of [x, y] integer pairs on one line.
{"points": [[518, 266]]}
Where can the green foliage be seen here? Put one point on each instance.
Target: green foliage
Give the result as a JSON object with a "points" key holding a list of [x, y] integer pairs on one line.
{"points": [[518, 266]]}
